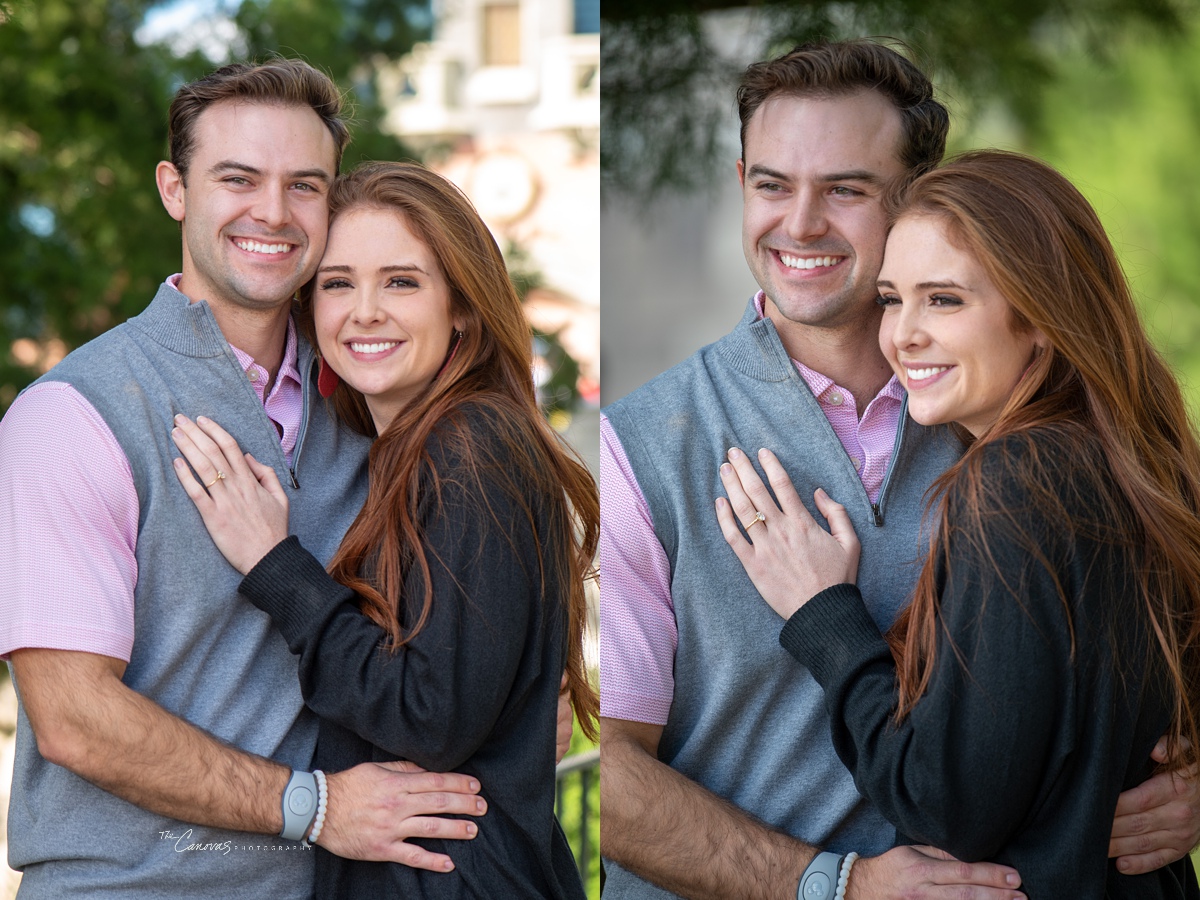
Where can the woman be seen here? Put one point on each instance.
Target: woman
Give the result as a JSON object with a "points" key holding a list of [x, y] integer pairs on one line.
{"points": [[456, 598], [1053, 634]]}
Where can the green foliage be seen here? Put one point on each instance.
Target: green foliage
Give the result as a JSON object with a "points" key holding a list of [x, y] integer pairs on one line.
{"points": [[572, 796], [558, 392], [84, 240], [666, 87], [82, 125], [1126, 135]]}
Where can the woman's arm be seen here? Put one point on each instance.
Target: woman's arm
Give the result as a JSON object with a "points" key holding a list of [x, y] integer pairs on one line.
{"points": [[437, 699], [984, 744], [964, 770]]}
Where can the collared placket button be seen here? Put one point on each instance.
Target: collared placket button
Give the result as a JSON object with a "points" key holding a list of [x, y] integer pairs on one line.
{"points": [[253, 374], [857, 462], [835, 399]]}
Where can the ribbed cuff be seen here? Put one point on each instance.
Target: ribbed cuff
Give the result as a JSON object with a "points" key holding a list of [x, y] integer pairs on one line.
{"points": [[290, 585], [829, 630]]}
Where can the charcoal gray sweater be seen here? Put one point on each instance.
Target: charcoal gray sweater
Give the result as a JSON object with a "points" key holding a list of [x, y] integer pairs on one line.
{"points": [[1017, 752], [476, 691]]}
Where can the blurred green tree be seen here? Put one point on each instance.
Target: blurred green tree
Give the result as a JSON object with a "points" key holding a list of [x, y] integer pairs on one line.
{"points": [[84, 240], [666, 85], [1125, 134]]}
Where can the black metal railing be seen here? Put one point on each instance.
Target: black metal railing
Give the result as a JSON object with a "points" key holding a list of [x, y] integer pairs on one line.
{"points": [[577, 804]]}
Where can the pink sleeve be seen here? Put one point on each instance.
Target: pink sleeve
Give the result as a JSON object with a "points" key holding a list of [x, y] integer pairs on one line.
{"points": [[68, 526], [637, 618]]}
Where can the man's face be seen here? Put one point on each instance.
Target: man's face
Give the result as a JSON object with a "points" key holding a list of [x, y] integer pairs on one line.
{"points": [[255, 206], [813, 225]]}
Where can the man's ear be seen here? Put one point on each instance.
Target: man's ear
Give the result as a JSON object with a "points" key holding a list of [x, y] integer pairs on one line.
{"points": [[741, 167], [170, 189]]}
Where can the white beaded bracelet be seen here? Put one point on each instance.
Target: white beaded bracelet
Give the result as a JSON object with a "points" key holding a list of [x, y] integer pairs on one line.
{"points": [[322, 802], [843, 876]]}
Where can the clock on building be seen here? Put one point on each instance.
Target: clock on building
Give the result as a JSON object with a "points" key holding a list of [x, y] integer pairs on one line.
{"points": [[503, 187]]}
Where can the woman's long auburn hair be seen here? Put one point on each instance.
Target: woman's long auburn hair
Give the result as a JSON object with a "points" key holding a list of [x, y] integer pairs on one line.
{"points": [[1099, 384], [490, 369]]}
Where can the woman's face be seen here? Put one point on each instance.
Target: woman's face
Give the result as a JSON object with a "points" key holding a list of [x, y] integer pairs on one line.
{"points": [[382, 309], [947, 330]]}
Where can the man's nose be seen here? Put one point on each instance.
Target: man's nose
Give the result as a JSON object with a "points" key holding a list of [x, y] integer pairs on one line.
{"points": [[806, 219], [271, 206]]}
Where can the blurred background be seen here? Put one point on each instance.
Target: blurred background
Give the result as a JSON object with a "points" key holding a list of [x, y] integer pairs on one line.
{"points": [[1108, 91], [500, 96], [509, 98]]}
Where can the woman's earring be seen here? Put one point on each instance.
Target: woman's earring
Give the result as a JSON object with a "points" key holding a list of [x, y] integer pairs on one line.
{"points": [[458, 336], [327, 379]]}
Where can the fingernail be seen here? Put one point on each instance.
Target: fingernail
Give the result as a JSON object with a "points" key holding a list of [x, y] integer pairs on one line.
{"points": [[479, 805], [201, 419], [471, 829], [762, 452], [726, 468], [178, 418], [175, 432], [734, 452], [1012, 878], [447, 866], [1122, 864], [178, 463], [474, 785]]}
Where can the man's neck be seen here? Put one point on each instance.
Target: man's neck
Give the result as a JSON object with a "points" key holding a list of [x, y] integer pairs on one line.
{"points": [[849, 356], [260, 333]]}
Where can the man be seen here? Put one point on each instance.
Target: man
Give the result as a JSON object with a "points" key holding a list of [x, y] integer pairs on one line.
{"points": [[139, 671], [718, 778]]}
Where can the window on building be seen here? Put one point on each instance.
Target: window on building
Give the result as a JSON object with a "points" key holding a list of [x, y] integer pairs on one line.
{"points": [[587, 16], [502, 34]]}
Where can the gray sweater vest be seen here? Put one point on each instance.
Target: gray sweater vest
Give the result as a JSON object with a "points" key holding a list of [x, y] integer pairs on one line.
{"points": [[746, 721], [200, 651]]}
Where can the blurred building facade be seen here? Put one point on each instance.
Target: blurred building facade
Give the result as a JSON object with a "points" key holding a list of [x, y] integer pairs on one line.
{"points": [[505, 102]]}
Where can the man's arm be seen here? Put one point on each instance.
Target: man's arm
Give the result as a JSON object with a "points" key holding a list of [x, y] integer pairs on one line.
{"points": [[670, 831], [87, 720]]}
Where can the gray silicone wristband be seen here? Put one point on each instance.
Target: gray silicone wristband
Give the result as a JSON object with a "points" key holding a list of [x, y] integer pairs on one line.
{"points": [[820, 879], [299, 805]]}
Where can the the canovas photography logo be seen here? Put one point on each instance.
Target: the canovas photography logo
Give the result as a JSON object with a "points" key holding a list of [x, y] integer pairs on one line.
{"points": [[186, 842]]}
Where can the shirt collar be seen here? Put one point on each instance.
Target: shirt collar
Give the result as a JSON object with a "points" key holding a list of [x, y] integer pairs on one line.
{"points": [[287, 369], [818, 383]]}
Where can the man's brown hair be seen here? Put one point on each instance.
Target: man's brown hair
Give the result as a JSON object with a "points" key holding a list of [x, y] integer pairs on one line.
{"points": [[827, 69], [277, 82]]}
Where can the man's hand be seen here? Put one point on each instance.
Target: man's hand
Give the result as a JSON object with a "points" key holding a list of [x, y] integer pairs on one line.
{"points": [[375, 807], [1158, 821], [925, 872]]}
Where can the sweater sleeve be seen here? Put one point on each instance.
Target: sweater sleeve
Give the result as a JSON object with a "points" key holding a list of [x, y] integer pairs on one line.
{"points": [[981, 748], [436, 699]]}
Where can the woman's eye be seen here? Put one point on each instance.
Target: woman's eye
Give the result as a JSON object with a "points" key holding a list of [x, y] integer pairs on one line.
{"points": [[334, 283], [887, 300], [402, 281], [945, 300]]}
